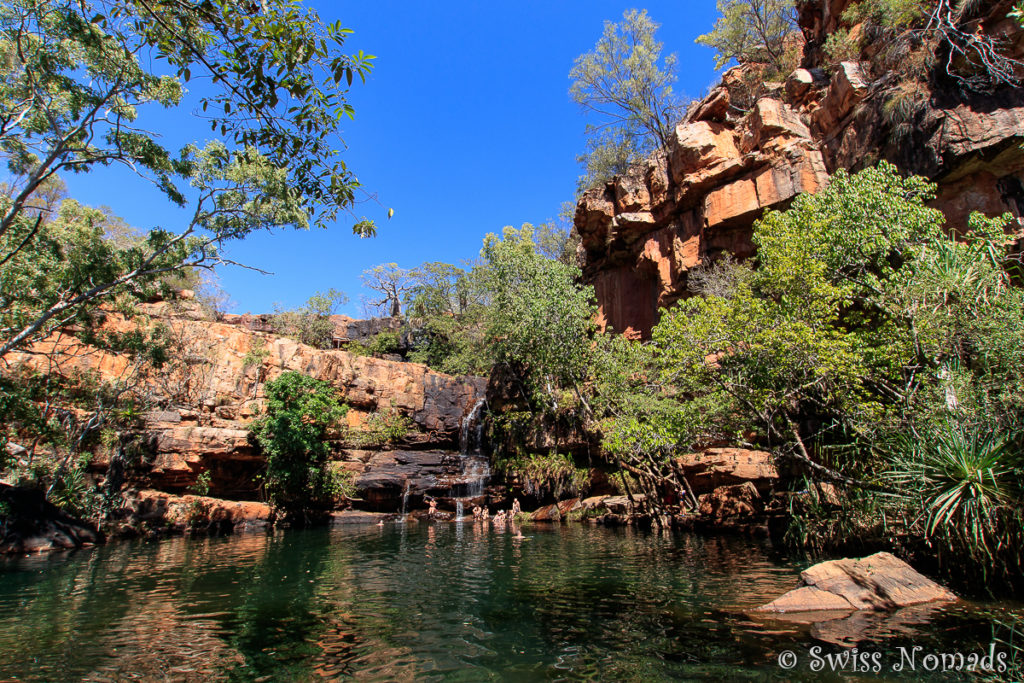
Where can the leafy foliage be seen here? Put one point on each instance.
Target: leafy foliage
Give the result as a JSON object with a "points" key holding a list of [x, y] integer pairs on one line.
{"points": [[627, 85], [448, 304], [539, 321], [76, 76], [293, 437], [889, 14], [380, 344], [753, 31], [382, 427], [550, 476], [311, 324], [961, 477], [864, 321]]}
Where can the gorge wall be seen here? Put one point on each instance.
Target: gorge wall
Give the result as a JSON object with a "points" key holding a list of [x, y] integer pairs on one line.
{"points": [[730, 160], [199, 406]]}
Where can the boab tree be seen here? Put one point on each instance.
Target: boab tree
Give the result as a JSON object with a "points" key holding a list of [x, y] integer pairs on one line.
{"points": [[392, 284]]}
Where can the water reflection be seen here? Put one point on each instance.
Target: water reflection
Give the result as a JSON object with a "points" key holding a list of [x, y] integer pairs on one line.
{"points": [[418, 601]]}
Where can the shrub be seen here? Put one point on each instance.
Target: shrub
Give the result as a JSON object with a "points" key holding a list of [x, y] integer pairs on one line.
{"points": [[840, 47], [380, 344], [293, 437], [202, 485], [311, 324], [381, 427], [886, 14], [546, 476], [966, 485]]}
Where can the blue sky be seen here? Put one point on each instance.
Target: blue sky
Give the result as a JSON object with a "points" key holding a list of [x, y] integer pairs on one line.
{"points": [[464, 126]]}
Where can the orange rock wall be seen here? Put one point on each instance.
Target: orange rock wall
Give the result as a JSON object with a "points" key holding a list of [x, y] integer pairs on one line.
{"points": [[724, 167]]}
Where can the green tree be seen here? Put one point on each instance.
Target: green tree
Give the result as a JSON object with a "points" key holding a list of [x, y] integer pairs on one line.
{"points": [[293, 437], [753, 31], [76, 77], [625, 83], [540, 321], [311, 323], [557, 240], [868, 345], [447, 304]]}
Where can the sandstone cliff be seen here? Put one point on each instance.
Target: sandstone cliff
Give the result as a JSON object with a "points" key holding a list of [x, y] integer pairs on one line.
{"points": [[726, 164], [200, 405]]}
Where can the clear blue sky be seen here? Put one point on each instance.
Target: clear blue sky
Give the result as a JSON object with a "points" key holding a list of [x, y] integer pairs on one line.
{"points": [[464, 126]]}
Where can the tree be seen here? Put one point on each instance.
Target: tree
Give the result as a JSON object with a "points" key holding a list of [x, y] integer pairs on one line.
{"points": [[293, 437], [444, 289], [623, 84], [448, 304], [540, 321], [752, 31], [392, 284], [558, 240], [75, 76], [311, 324]]}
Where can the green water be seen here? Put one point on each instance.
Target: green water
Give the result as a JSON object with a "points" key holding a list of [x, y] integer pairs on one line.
{"points": [[421, 602]]}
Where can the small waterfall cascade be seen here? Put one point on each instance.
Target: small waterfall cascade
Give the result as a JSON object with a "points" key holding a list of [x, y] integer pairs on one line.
{"points": [[476, 467], [471, 433], [405, 499]]}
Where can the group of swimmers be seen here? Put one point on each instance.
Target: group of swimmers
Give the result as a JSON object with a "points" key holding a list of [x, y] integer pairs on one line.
{"points": [[501, 517], [482, 514]]}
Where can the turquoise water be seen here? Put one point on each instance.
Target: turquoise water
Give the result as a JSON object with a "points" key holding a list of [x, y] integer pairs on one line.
{"points": [[448, 602]]}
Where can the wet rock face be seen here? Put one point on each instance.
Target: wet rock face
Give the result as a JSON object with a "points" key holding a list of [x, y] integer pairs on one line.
{"points": [[641, 233], [389, 477]]}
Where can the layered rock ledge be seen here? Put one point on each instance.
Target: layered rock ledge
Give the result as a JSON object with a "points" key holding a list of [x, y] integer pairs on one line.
{"points": [[729, 161]]}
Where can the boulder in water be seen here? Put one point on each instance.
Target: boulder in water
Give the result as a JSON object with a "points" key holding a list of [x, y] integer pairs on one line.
{"points": [[877, 582]]}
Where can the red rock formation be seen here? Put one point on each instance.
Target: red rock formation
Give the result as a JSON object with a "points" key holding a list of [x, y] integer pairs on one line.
{"points": [[715, 467], [642, 232], [218, 390], [199, 513]]}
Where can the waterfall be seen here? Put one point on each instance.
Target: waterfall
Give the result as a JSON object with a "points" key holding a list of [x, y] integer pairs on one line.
{"points": [[472, 426], [405, 499], [475, 467]]}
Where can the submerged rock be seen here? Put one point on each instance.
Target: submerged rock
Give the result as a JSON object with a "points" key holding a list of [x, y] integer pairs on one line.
{"points": [[877, 582]]}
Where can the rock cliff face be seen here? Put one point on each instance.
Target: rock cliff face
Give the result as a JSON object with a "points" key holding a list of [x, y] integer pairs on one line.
{"points": [[216, 389], [724, 166]]}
